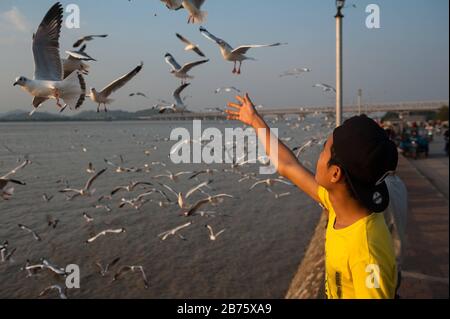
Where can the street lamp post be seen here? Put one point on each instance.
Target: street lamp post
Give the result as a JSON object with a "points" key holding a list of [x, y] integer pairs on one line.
{"points": [[339, 77], [360, 101]]}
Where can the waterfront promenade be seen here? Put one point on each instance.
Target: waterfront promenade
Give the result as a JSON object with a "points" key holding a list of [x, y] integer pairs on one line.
{"points": [[427, 234]]}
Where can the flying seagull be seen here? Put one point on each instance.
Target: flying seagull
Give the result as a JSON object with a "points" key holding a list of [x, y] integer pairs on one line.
{"points": [[48, 81], [102, 97], [234, 55], [178, 106], [127, 269], [192, 6], [45, 264], [190, 46], [270, 182], [35, 235], [174, 177], [179, 71], [5, 180], [130, 187], [104, 270], [227, 89], [325, 87], [75, 61], [138, 94], [104, 233], [195, 14], [88, 38], [213, 236], [209, 200], [88, 218], [173, 232], [85, 191], [61, 291], [295, 72], [173, 4]]}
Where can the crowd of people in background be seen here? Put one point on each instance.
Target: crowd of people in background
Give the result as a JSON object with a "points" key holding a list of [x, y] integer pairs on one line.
{"points": [[413, 139]]}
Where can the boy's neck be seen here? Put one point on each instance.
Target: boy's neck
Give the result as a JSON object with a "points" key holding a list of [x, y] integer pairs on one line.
{"points": [[348, 210]]}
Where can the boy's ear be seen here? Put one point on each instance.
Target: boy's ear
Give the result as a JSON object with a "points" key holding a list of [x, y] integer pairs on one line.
{"points": [[336, 174]]}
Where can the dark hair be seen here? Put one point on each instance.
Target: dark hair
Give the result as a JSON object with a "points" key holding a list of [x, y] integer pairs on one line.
{"points": [[335, 161]]}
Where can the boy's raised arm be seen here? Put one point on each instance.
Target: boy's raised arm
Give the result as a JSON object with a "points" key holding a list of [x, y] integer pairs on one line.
{"points": [[284, 160]]}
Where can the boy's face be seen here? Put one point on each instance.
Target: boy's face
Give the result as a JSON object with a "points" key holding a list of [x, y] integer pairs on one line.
{"points": [[324, 173]]}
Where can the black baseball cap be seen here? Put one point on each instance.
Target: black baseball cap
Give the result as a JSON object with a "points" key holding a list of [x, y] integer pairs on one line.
{"points": [[367, 156]]}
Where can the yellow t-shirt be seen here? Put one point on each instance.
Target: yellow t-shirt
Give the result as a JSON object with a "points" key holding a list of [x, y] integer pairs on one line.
{"points": [[360, 259]]}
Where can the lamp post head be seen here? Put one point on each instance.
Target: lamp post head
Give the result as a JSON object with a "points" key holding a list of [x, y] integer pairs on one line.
{"points": [[340, 5]]}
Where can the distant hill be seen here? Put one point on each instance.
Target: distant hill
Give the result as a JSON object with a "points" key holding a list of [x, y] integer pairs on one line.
{"points": [[17, 116], [22, 116]]}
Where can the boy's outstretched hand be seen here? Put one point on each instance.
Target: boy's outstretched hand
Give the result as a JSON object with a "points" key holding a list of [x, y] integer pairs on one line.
{"points": [[245, 111]]}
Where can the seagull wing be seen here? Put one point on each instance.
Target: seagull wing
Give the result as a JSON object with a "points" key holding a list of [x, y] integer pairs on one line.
{"points": [[88, 38], [48, 289], [172, 62], [100, 267], [110, 163], [78, 43], [211, 231], [14, 171], [244, 48], [93, 178], [221, 196], [115, 261], [199, 52], [144, 276], [92, 239], [119, 83], [47, 61], [117, 189], [256, 184], [209, 36], [197, 174], [121, 272], [195, 189], [141, 196], [177, 92], [197, 206], [182, 173], [79, 55], [169, 189], [187, 67], [220, 233], [15, 181], [183, 39], [141, 183], [37, 101], [98, 36]]}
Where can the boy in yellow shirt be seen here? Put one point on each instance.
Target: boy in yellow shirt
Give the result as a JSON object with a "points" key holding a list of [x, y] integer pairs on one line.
{"points": [[349, 183]]}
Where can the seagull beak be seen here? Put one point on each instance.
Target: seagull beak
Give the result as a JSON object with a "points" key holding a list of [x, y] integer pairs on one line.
{"points": [[15, 83]]}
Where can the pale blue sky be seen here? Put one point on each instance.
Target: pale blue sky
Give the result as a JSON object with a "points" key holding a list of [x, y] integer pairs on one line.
{"points": [[406, 60]]}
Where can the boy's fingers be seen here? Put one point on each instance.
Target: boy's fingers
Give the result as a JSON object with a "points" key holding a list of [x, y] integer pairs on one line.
{"points": [[240, 99], [232, 117], [230, 112], [235, 106]]}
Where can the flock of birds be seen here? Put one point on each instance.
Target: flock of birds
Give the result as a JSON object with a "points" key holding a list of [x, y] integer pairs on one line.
{"points": [[153, 184], [63, 79]]}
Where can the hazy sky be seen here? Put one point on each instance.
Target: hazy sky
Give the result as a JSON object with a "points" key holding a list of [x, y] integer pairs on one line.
{"points": [[406, 60]]}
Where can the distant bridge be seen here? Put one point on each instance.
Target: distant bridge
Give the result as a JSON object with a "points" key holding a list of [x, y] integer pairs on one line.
{"points": [[403, 107]]}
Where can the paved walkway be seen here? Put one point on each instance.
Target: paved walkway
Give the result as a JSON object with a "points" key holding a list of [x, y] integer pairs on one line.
{"points": [[427, 235]]}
